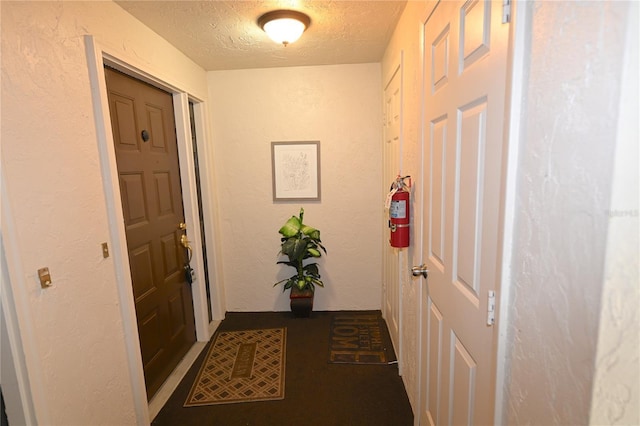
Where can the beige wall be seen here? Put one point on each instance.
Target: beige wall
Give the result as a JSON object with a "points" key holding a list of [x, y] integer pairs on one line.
{"points": [[338, 105], [73, 333]]}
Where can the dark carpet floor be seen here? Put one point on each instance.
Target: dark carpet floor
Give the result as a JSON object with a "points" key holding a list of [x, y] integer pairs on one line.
{"points": [[316, 392]]}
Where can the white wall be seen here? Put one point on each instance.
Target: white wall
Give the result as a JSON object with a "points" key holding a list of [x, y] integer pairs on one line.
{"points": [[338, 105], [570, 107], [72, 333], [616, 389]]}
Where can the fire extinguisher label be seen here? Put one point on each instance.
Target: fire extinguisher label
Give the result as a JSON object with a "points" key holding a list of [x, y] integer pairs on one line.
{"points": [[398, 209]]}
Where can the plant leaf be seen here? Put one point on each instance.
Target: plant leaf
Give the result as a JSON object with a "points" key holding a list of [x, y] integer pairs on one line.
{"points": [[312, 269], [299, 249], [313, 233], [291, 227], [294, 248], [314, 252], [280, 282]]}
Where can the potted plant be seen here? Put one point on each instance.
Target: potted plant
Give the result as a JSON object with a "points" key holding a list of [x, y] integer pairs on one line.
{"points": [[298, 243]]}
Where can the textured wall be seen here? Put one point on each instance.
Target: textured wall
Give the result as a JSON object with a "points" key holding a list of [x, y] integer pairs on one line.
{"points": [[616, 390], [341, 107], [55, 192], [406, 38], [565, 168]]}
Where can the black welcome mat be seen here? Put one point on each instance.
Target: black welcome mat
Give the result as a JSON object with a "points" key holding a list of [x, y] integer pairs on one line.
{"points": [[358, 338]]}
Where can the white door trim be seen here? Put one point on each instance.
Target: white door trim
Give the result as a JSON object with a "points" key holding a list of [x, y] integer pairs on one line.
{"points": [[419, 253], [191, 211], [397, 68], [517, 57], [15, 314], [210, 214], [97, 57]]}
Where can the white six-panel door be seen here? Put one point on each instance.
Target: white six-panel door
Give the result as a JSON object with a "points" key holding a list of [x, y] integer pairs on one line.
{"points": [[465, 61]]}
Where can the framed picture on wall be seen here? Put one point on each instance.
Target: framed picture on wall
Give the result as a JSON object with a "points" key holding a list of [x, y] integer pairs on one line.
{"points": [[295, 171]]}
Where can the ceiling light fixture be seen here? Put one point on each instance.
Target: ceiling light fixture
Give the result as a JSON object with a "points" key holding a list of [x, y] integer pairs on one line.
{"points": [[284, 26]]}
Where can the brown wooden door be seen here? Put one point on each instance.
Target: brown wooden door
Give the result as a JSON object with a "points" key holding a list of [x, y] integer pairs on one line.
{"points": [[146, 152]]}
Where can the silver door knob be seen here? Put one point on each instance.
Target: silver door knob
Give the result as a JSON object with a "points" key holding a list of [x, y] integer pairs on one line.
{"points": [[420, 270]]}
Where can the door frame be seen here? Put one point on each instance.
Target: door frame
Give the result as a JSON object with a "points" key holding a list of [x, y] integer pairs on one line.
{"points": [[396, 68], [97, 57], [18, 346], [517, 52], [517, 58]]}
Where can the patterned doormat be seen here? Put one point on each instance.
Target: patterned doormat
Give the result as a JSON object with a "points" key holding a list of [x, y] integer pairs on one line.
{"points": [[242, 366], [357, 339]]}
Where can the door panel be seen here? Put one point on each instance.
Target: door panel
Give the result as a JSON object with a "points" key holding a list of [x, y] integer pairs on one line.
{"points": [[434, 364], [152, 207], [438, 169], [465, 77], [463, 375], [468, 198]]}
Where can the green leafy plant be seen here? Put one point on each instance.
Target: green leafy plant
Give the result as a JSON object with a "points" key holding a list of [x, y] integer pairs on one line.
{"points": [[300, 242]]}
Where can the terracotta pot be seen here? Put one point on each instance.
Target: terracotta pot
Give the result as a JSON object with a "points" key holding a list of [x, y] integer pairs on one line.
{"points": [[301, 302]]}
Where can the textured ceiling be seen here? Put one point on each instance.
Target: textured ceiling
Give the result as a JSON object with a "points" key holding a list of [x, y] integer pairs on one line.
{"points": [[223, 35]]}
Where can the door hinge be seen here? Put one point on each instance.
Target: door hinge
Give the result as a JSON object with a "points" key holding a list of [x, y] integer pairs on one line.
{"points": [[491, 307], [506, 11]]}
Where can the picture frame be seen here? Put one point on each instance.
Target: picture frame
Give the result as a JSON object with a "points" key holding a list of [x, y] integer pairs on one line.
{"points": [[295, 171]]}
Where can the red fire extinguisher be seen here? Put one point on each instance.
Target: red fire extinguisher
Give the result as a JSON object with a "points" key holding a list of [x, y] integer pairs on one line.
{"points": [[399, 207]]}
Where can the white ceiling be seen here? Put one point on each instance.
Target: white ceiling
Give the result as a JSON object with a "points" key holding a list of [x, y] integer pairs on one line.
{"points": [[224, 35]]}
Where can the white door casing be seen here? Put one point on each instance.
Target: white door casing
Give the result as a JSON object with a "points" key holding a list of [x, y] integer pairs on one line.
{"points": [[464, 82], [97, 56], [391, 256]]}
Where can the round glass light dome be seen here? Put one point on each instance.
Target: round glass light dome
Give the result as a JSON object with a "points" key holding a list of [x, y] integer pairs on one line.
{"points": [[284, 26]]}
